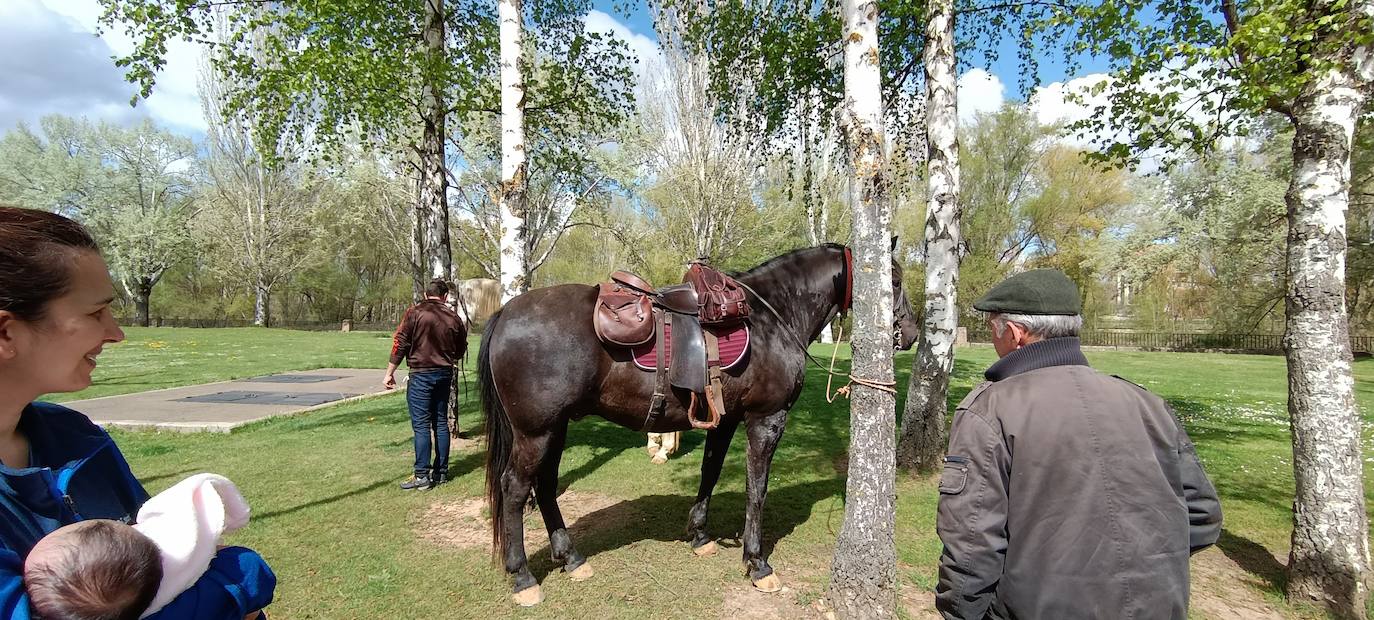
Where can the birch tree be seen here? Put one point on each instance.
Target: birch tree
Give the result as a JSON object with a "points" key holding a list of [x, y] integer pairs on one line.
{"points": [[514, 167], [381, 74], [863, 574], [923, 421], [1202, 72], [257, 218], [702, 168]]}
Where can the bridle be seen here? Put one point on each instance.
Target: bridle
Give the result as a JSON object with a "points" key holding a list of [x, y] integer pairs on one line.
{"points": [[845, 306]]}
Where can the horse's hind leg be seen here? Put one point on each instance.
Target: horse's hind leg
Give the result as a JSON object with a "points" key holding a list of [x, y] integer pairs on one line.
{"points": [[546, 492], [713, 458], [527, 454], [764, 434]]}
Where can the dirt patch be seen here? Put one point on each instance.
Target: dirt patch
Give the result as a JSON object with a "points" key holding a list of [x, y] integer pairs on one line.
{"points": [[919, 603], [742, 600], [1223, 590], [464, 522]]}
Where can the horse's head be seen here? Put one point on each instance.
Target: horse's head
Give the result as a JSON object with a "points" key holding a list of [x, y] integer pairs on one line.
{"points": [[905, 330]]}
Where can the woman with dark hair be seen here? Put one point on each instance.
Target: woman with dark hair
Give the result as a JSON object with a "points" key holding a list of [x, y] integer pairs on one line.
{"points": [[56, 466]]}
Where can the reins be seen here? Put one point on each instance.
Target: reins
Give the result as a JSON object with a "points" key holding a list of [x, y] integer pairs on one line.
{"points": [[886, 386]]}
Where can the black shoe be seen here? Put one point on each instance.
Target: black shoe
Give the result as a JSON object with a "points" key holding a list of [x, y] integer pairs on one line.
{"points": [[440, 478], [418, 481]]}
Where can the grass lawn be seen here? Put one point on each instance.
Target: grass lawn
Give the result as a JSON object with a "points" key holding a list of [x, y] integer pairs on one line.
{"points": [[155, 357], [346, 543]]}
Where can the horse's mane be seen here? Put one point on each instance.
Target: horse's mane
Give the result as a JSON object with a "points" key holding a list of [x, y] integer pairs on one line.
{"points": [[772, 263]]}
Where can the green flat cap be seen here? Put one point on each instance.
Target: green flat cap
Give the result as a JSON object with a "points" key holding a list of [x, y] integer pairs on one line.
{"points": [[1038, 291]]}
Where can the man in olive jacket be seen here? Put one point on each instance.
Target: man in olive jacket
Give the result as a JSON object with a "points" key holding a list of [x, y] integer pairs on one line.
{"points": [[1066, 493]]}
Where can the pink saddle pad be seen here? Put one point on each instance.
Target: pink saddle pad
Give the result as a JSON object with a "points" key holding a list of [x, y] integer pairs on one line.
{"points": [[734, 343]]}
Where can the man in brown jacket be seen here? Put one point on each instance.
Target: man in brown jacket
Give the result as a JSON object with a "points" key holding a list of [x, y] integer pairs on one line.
{"points": [[431, 339], [1066, 493]]}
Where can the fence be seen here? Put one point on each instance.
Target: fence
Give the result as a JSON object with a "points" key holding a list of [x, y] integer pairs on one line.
{"points": [[1166, 341]]}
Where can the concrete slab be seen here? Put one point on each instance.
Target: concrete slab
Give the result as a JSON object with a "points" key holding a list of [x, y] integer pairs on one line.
{"points": [[223, 406]]}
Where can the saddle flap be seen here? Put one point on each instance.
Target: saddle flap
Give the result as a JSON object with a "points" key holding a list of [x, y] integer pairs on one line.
{"points": [[622, 317], [680, 298], [688, 364], [721, 299]]}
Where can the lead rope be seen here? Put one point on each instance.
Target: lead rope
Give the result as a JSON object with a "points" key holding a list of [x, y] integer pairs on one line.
{"points": [[887, 386]]}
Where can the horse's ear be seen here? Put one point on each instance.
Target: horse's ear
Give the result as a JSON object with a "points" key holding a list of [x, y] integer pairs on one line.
{"points": [[894, 243]]}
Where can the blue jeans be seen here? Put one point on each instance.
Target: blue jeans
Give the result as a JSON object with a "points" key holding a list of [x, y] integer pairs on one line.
{"points": [[427, 399]]}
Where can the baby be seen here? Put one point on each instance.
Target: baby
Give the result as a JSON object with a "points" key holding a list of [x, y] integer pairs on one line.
{"points": [[106, 570]]}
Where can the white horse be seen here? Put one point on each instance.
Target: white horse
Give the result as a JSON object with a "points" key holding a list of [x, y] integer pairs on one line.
{"points": [[661, 445]]}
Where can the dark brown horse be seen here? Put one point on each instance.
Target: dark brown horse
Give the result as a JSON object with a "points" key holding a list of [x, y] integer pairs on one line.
{"points": [[542, 365]]}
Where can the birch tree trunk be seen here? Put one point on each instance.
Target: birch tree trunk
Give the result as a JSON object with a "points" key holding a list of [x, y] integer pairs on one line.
{"points": [[514, 167], [1329, 560], [863, 574], [923, 420], [262, 299], [432, 208]]}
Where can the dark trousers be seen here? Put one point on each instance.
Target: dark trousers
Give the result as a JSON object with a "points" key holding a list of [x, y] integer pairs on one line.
{"points": [[427, 398]]}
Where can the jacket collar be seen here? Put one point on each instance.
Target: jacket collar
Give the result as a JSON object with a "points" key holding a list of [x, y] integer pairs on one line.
{"points": [[1043, 354]]}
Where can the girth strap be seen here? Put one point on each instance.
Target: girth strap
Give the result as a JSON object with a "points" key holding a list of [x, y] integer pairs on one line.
{"points": [[658, 403]]}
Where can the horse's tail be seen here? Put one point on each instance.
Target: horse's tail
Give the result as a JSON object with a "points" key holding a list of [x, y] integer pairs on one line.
{"points": [[499, 438]]}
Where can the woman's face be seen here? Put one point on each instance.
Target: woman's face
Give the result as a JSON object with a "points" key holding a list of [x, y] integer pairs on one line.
{"points": [[58, 352]]}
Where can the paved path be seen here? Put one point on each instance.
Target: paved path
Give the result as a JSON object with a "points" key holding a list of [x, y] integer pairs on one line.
{"points": [[222, 406]]}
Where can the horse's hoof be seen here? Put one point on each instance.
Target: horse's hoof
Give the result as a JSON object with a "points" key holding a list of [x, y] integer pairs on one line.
{"points": [[529, 597], [658, 459], [582, 572], [707, 550], [768, 584], [651, 450]]}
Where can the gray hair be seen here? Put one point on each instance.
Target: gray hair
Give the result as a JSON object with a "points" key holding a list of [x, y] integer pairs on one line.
{"points": [[1039, 325]]}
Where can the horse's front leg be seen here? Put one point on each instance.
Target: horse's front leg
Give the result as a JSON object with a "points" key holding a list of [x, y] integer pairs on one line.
{"points": [[764, 434], [713, 458]]}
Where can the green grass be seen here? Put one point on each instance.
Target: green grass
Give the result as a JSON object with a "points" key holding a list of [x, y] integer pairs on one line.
{"points": [[153, 357], [346, 543]]}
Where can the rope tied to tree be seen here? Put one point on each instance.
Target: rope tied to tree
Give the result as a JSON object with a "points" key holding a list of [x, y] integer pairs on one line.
{"points": [[887, 386]]}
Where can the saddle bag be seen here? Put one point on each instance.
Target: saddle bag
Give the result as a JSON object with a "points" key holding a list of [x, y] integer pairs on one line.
{"points": [[623, 316], [721, 298]]}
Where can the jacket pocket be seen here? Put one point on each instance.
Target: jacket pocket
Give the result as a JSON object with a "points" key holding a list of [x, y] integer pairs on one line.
{"points": [[954, 476]]}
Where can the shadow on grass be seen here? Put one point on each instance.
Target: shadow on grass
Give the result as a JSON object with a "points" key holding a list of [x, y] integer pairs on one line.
{"points": [[461, 467], [175, 474], [664, 518], [1254, 558]]}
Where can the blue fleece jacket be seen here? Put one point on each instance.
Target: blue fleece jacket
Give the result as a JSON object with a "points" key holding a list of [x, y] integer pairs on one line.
{"points": [[78, 473]]}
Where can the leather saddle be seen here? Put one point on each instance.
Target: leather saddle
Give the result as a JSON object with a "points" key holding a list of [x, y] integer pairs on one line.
{"points": [[630, 312]]}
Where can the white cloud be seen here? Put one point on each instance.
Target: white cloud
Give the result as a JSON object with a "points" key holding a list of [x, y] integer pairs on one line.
{"points": [[648, 55], [52, 62], [1068, 102], [978, 92]]}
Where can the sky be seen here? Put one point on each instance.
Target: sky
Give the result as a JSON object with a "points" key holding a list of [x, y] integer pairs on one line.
{"points": [[52, 62]]}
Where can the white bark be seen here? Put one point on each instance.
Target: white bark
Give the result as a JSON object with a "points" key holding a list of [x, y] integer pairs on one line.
{"points": [[1329, 559], [514, 167], [923, 421], [863, 573]]}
